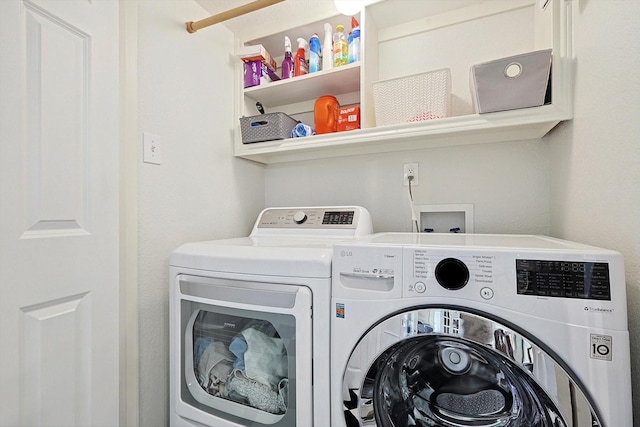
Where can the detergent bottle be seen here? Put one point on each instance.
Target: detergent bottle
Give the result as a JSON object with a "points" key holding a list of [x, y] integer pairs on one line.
{"points": [[300, 66], [287, 62], [325, 112]]}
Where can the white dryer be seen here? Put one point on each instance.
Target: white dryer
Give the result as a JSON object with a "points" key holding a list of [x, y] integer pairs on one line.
{"points": [[478, 330], [249, 321]]}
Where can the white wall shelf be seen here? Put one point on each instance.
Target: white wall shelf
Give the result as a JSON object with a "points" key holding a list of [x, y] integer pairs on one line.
{"points": [[388, 22], [524, 124], [336, 81]]}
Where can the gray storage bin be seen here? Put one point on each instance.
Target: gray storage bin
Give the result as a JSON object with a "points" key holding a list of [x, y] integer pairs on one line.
{"points": [[518, 81], [266, 127]]}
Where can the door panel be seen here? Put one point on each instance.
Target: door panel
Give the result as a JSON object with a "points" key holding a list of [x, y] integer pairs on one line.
{"points": [[59, 229], [57, 72], [58, 331]]}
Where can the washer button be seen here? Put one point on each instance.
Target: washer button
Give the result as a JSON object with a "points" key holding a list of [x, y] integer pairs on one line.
{"points": [[420, 287], [486, 293]]}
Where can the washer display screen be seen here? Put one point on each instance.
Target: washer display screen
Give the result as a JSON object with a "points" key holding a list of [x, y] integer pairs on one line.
{"points": [[564, 279], [333, 217]]}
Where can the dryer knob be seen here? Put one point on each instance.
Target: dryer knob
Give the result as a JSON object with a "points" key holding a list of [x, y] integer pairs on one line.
{"points": [[299, 217], [452, 274]]}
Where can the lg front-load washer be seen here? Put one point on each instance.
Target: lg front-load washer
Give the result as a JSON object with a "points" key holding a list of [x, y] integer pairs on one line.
{"points": [[478, 330], [249, 321]]}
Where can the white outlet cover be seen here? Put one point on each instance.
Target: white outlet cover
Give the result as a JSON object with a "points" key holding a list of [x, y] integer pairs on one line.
{"points": [[415, 167], [152, 149]]}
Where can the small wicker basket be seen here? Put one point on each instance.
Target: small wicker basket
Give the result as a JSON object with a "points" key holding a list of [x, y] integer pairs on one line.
{"points": [[266, 127], [418, 97]]}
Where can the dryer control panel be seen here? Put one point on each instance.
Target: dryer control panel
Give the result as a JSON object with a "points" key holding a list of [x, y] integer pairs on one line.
{"points": [[353, 221], [308, 218]]}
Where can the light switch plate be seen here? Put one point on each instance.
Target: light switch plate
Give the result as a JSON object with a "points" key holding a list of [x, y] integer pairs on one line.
{"points": [[151, 152]]}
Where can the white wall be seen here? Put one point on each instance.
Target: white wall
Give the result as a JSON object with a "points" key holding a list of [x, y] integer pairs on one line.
{"points": [[506, 183], [200, 191], [595, 158]]}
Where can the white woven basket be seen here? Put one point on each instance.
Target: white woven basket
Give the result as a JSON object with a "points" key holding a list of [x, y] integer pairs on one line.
{"points": [[412, 98]]}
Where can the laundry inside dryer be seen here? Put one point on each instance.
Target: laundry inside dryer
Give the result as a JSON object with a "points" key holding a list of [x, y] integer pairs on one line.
{"points": [[242, 359]]}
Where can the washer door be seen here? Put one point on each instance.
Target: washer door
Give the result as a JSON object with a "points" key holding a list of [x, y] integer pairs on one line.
{"points": [[447, 367]]}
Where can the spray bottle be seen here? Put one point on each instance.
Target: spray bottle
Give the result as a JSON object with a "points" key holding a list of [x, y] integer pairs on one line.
{"points": [[300, 66], [354, 41], [327, 47], [315, 50], [287, 62]]}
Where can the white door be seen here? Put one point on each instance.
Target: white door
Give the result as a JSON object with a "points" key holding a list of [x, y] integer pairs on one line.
{"points": [[59, 205]]}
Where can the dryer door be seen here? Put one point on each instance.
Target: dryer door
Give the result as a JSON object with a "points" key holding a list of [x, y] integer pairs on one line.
{"points": [[244, 353], [447, 367]]}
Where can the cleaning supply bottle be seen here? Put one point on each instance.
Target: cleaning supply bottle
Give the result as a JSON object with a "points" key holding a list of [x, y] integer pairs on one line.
{"points": [[339, 47], [325, 112], [315, 50], [327, 47], [287, 62], [300, 66], [354, 42]]}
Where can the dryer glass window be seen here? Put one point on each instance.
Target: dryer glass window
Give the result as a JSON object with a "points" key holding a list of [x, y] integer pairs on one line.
{"points": [[242, 359], [448, 367], [239, 364]]}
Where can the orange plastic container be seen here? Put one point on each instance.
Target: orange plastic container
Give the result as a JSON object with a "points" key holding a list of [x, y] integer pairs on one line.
{"points": [[325, 114]]}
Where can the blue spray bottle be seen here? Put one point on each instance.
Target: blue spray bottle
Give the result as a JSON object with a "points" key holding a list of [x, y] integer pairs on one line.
{"points": [[354, 41], [315, 52]]}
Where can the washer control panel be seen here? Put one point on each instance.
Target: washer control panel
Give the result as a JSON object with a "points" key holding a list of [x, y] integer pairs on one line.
{"points": [[534, 275], [449, 271]]}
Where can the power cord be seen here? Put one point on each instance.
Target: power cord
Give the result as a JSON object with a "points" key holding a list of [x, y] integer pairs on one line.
{"points": [[414, 217]]}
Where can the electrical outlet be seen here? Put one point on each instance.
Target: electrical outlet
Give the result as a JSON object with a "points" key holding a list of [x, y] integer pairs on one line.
{"points": [[152, 152], [411, 169]]}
